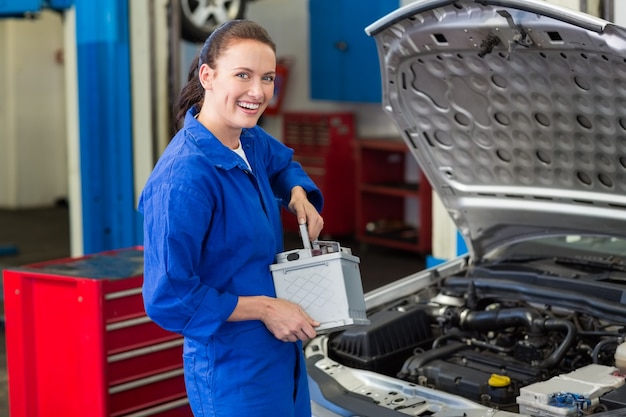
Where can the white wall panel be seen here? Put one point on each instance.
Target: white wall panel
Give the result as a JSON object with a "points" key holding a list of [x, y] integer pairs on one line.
{"points": [[149, 79], [32, 114], [620, 12]]}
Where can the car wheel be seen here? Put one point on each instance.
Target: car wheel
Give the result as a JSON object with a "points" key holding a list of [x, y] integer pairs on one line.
{"points": [[201, 17]]}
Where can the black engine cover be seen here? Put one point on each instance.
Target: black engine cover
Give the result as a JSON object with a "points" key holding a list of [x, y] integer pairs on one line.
{"points": [[384, 344], [468, 373]]}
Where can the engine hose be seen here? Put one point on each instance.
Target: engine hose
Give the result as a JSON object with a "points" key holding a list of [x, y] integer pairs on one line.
{"points": [[516, 317], [461, 337], [500, 319], [595, 354], [570, 337], [412, 364]]}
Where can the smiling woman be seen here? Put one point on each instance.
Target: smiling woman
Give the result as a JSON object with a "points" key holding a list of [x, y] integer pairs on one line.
{"points": [[212, 228]]}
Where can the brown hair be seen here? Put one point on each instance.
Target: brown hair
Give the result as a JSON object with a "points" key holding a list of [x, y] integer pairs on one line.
{"points": [[192, 94]]}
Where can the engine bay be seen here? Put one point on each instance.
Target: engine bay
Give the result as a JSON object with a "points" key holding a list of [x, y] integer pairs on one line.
{"points": [[508, 346]]}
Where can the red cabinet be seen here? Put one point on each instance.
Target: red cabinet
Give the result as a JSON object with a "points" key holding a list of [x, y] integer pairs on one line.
{"points": [[79, 342], [324, 144], [391, 209]]}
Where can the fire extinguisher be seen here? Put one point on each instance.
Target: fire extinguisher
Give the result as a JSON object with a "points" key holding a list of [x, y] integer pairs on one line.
{"points": [[280, 83]]}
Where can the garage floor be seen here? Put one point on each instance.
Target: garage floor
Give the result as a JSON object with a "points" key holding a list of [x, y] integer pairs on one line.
{"points": [[28, 236]]}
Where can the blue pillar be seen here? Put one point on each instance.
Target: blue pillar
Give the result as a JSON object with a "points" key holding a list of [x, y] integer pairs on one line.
{"points": [[110, 220], [461, 249]]}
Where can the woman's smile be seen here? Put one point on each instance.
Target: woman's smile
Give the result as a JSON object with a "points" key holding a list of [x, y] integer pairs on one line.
{"points": [[248, 105]]}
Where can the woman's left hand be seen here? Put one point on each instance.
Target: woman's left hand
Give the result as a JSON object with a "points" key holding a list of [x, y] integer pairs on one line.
{"points": [[305, 212]]}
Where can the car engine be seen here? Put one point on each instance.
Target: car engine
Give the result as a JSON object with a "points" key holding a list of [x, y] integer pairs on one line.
{"points": [[504, 343]]}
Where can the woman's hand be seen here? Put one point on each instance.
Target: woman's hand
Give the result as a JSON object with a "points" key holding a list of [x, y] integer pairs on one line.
{"points": [[288, 321], [305, 212]]}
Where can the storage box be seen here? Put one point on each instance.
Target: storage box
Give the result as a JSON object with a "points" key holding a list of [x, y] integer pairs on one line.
{"points": [[325, 281], [79, 343]]}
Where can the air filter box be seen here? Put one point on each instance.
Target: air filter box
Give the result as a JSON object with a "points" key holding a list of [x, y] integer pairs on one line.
{"points": [[383, 345]]}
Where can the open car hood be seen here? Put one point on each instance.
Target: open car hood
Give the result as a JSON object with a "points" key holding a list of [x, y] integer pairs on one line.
{"points": [[515, 111]]}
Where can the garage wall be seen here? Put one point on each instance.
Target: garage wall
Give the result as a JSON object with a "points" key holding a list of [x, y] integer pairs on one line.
{"points": [[33, 163], [620, 13]]}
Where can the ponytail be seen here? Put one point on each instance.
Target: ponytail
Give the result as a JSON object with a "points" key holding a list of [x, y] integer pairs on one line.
{"points": [[191, 95]]}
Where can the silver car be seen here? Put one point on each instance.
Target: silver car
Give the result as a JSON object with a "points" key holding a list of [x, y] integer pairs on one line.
{"points": [[516, 112]]}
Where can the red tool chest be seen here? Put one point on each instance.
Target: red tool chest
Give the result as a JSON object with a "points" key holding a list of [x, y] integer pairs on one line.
{"points": [[79, 342], [324, 144]]}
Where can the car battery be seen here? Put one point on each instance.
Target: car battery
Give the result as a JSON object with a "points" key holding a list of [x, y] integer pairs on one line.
{"points": [[325, 280]]}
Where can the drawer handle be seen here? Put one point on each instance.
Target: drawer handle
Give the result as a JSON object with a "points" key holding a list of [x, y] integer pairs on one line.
{"points": [[160, 408], [144, 351], [128, 323], [145, 381], [122, 294]]}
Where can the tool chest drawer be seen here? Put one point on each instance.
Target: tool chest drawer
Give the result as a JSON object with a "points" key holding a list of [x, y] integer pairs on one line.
{"points": [[80, 343], [323, 143]]}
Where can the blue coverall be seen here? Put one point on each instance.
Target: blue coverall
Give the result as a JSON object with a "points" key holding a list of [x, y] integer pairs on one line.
{"points": [[211, 230]]}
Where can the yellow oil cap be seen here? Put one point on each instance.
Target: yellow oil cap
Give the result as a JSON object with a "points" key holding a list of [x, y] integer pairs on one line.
{"points": [[499, 381]]}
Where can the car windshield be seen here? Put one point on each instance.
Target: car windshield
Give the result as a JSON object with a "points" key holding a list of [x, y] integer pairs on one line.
{"points": [[576, 247]]}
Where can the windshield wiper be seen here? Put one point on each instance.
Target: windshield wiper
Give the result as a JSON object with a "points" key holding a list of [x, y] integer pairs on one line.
{"points": [[593, 267], [607, 263]]}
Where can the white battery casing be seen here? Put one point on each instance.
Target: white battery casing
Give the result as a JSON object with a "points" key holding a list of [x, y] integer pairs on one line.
{"points": [[327, 286]]}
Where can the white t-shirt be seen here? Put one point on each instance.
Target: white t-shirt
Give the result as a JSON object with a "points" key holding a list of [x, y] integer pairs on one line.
{"points": [[239, 151]]}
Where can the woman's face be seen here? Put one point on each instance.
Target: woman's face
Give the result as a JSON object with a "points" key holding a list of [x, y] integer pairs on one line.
{"points": [[241, 86]]}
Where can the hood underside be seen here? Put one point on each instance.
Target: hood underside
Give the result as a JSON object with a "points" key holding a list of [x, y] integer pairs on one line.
{"points": [[516, 113]]}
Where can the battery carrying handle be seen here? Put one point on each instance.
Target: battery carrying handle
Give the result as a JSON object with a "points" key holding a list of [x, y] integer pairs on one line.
{"points": [[304, 233], [317, 247]]}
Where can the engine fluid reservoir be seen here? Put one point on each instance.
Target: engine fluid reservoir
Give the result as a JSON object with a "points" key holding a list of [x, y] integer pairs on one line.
{"points": [[569, 394], [620, 358]]}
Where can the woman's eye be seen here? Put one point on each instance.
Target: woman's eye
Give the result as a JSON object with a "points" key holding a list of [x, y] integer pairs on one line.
{"points": [[243, 75], [269, 78]]}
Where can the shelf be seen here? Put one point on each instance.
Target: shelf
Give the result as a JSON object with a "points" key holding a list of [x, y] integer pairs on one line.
{"points": [[406, 244], [387, 144], [402, 190], [385, 198]]}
